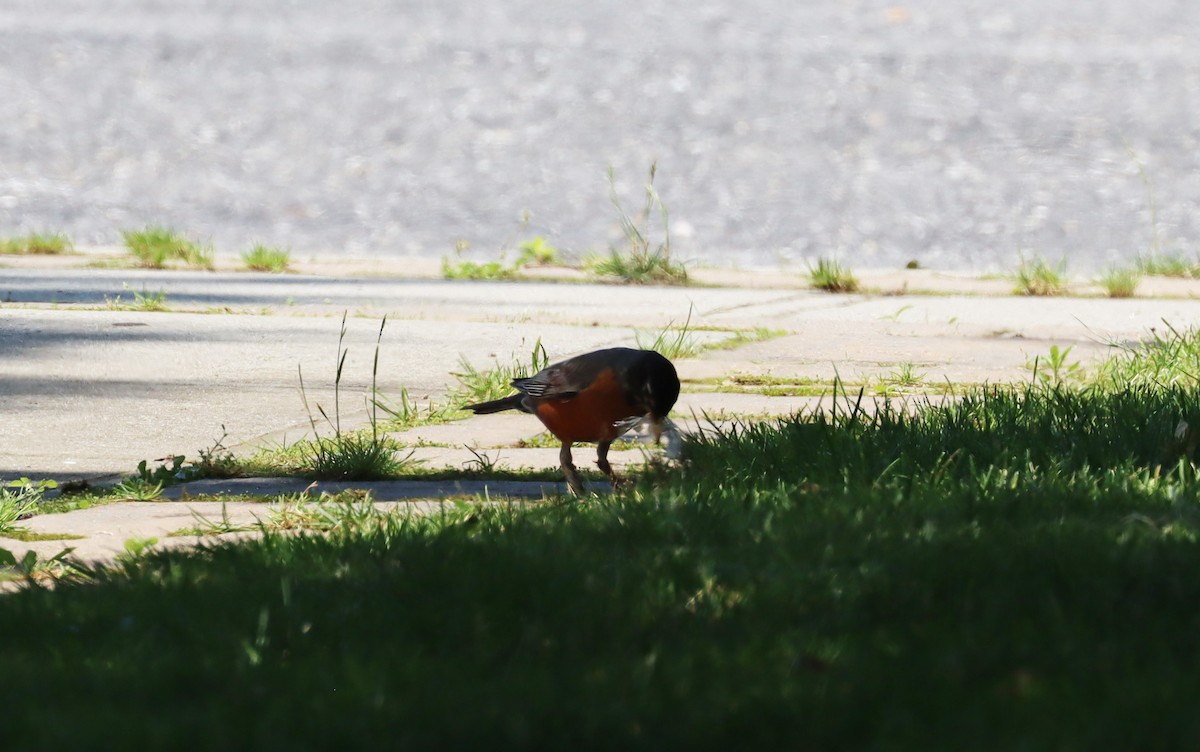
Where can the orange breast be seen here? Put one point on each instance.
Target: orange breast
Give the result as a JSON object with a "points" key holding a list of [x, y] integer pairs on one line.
{"points": [[588, 416]]}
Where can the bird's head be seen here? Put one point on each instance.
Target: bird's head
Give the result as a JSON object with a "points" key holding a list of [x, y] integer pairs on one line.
{"points": [[659, 389]]}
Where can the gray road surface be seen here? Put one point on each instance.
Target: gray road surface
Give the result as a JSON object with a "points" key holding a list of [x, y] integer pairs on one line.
{"points": [[959, 134], [87, 390]]}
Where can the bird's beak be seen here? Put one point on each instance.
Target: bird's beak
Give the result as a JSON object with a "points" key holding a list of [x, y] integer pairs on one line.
{"points": [[656, 429], [665, 427]]}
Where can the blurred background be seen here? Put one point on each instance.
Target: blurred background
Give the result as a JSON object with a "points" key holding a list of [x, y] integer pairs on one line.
{"points": [[954, 134]]}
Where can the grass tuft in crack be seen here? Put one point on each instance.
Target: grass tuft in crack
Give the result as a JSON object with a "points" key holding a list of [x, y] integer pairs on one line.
{"points": [[645, 262], [37, 243], [262, 258], [20, 499], [1121, 282], [476, 385], [829, 275], [365, 454], [1038, 277], [155, 246], [671, 341], [1168, 265]]}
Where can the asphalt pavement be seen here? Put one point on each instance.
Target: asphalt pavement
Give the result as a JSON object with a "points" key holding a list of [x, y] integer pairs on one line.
{"points": [[958, 134], [90, 387]]}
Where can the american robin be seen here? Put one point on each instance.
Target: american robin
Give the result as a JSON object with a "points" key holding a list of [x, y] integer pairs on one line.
{"points": [[595, 397]]}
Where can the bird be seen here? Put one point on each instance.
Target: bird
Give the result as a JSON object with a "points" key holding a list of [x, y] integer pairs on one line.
{"points": [[596, 397]]}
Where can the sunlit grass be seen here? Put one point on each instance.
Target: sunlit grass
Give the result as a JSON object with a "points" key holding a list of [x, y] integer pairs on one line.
{"points": [[831, 276], [263, 258], [1039, 277], [1121, 282], [37, 243], [154, 247]]}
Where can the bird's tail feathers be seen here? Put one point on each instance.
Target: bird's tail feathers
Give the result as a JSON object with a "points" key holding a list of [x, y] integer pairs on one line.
{"points": [[494, 406]]}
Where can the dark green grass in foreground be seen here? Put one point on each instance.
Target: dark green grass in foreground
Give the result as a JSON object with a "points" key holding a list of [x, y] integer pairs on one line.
{"points": [[1017, 570]]}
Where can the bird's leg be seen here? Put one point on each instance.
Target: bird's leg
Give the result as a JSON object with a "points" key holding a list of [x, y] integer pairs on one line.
{"points": [[568, 468], [602, 462]]}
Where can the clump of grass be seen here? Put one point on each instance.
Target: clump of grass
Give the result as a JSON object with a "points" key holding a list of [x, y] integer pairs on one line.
{"points": [[20, 499], [906, 374], [537, 252], [37, 244], [476, 385], [348, 511], [904, 379], [1039, 277], [142, 301], [350, 455], [671, 341], [262, 258], [1165, 360], [645, 262], [406, 412], [33, 567], [155, 246], [1055, 370], [1120, 282], [831, 276], [1160, 265], [474, 270], [739, 337], [206, 526], [138, 489]]}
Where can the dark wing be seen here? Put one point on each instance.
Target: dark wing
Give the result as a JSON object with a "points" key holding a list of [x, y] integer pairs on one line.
{"points": [[565, 380], [550, 383]]}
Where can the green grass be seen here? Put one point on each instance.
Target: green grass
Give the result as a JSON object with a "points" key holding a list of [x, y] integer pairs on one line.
{"points": [[1014, 569], [1163, 265], [644, 261], [154, 247], [1169, 358], [672, 342], [739, 337], [547, 440], [538, 252], [365, 454], [766, 385], [29, 536], [1056, 369], [348, 510], [1038, 277], [474, 270], [1121, 282], [37, 243], [829, 275], [475, 385], [630, 268], [142, 301], [369, 452], [903, 379], [263, 258], [18, 500]]}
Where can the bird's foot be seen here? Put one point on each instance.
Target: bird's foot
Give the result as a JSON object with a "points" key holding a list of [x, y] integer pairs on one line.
{"points": [[574, 482]]}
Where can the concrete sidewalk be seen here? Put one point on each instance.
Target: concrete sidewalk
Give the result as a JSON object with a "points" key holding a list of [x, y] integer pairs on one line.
{"points": [[87, 389]]}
